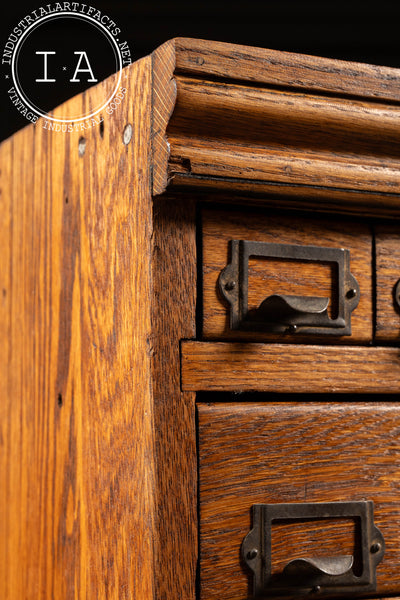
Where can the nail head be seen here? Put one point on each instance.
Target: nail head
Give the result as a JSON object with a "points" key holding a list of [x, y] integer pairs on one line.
{"points": [[127, 135], [81, 146]]}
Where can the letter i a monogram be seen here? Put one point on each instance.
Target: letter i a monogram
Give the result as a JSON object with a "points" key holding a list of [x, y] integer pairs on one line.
{"points": [[63, 65], [82, 55]]}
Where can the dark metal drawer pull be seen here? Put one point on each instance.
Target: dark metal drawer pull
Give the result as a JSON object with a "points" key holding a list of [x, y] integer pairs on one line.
{"points": [[305, 575], [293, 310], [285, 313], [304, 570]]}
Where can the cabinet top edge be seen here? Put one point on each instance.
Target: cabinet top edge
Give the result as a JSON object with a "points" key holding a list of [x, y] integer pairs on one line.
{"points": [[261, 66]]}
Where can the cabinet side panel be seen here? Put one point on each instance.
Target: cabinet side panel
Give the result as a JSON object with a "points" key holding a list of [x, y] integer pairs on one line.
{"points": [[77, 479], [9, 430]]}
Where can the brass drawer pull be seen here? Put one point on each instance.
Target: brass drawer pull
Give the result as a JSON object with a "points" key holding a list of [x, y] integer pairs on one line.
{"points": [[304, 575], [285, 313]]}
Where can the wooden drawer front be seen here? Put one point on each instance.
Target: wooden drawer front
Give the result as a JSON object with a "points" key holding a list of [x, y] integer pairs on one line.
{"points": [[251, 453], [277, 276], [387, 275]]}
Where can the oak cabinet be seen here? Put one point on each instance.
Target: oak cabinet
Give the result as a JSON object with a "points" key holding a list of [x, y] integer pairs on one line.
{"points": [[200, 328]]}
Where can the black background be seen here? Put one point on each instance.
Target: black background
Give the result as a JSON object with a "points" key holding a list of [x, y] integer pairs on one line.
{"points": [[367, 32]]}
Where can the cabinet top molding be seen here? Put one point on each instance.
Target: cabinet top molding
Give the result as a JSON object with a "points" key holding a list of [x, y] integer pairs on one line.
{"points": [[204, 59], [269, 123]]}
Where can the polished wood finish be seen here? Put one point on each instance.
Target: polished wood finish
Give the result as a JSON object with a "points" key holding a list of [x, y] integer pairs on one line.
{"points": [[294, 452], [387, 240], [78, 487], [267, 277], [257, 121], [164, 98], [173, 317], [283, 136], [301, 128], [219, 366], [205, 58], [92, 313], [10, 455], [98, 293]]}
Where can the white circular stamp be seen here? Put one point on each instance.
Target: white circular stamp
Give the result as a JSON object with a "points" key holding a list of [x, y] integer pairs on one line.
{"points": [[58, 51]]}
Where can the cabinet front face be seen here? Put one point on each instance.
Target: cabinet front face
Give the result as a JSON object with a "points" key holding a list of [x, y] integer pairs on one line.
{"points": [[298, 492], [295, 496], [304, 454]]}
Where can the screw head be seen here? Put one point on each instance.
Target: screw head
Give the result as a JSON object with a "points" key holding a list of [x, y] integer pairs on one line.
{"points": [[352, 293], [316, 589], [230, 285], [252, 553], [292, 329], [375, 547]]}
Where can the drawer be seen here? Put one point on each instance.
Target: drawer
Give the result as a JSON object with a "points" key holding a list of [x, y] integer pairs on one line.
{"points": [[298, 454], [294, 270], [387, 240]]}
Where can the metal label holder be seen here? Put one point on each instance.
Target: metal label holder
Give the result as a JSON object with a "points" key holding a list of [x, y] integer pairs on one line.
{"points": [[283, 313], [302, 576]]}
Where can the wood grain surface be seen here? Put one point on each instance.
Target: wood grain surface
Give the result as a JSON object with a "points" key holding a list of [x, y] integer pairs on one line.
{"points": [[274, 68], [283, 136], [294, 452], [269, 277], [218, 366], [319, 131], [173, 317], [78, 476], [288, 165], [316, 130], [98, 284], [387, 241], [164, 98], [314, 538], [283, 117]]}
